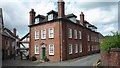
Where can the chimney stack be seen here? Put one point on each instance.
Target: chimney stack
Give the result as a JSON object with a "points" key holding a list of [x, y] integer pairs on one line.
{"points": [[61, 10], [32, 16], [14, 31], [82, 18]]}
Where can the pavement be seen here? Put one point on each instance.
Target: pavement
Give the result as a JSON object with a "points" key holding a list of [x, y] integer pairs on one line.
{"points": [[81, 61]]}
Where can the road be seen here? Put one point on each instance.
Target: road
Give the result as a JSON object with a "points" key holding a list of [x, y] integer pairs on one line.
{"points": [[82, 61]]}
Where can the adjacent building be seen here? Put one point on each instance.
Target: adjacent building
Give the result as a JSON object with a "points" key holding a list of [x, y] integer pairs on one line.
{"points": [[9, 40], [61, 37]]}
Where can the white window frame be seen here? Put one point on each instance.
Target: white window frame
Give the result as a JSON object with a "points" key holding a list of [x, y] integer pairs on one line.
{"points": [[88, 47], [92, 47], [51, 52], [37, 20], [36, 47], [50, 17], [76, 48], [69, 33], [51, 36], [70, 49], [80, 35], [36, 34], [80, 48], [73, 19], [88, 37], [75, 34], [42, 35]]}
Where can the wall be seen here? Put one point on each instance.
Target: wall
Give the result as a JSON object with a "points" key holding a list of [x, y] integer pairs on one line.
{"points": [[111, 58]]}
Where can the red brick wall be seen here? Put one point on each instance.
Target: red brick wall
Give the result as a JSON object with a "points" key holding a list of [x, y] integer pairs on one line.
{"points": [[111, 58], [47, 41], [61, 38], [4, 50]]}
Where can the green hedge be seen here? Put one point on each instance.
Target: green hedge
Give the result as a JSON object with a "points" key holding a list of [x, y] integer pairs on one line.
{"points": [[110, 42]]}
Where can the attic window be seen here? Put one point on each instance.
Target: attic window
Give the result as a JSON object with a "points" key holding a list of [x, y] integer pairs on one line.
{"points": [[36, 20], [73, 19], [50, 17]]}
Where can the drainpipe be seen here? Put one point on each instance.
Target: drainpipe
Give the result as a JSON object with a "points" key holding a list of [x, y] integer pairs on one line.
{"points": [[60, 27]]}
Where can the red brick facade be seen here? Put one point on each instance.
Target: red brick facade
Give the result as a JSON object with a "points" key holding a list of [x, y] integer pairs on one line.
{"points": [[61, 42]]}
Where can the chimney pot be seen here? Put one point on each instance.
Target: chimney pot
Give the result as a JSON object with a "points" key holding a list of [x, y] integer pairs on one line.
{"points": [[32, 16], [14, 31], [61, 10], [82, 18]]}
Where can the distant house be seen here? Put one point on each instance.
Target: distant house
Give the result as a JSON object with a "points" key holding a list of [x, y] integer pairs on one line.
{"points": [[60, 37], [9, 41]]}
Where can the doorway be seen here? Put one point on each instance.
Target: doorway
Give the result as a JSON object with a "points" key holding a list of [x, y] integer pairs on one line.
{"points": [[43, 53]]}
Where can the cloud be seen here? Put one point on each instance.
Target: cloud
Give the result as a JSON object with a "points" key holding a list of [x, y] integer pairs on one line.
{"points": [[103, 14]]}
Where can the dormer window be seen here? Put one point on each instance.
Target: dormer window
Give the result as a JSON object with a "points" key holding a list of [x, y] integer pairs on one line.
{"points": [[73, 19], [50, 17], [87, 25], [37, 20]]}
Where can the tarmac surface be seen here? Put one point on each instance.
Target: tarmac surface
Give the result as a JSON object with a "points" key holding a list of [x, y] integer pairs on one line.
{"points": [[81, 61]]}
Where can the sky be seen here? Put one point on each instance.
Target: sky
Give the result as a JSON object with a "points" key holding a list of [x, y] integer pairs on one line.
{"points": [[101, 13]]}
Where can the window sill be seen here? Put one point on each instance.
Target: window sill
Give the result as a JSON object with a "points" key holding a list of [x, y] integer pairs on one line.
{"points": [[51, 55], [51, 38], [36, 53], [43, 39], [70, 53]]}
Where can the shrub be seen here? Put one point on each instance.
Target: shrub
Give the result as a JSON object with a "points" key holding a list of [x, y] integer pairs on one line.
{"points": [[33, 58], [45, 59], [110, 42]]}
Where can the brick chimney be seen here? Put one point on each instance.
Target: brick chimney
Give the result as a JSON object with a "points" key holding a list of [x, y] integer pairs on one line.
{"points": [[32, 17], [61, 10], [82, 18], [14, 31]]}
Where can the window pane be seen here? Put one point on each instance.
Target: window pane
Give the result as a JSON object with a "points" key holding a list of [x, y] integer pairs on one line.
{"points": [[51, 49]]}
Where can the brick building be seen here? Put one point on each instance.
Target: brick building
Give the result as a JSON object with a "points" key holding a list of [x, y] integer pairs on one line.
{"points": [[8, 40], [61, 37]]}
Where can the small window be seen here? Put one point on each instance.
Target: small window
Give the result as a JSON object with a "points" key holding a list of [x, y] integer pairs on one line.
{"points": [[92, 47], [69, 33], [73, 19], [50, 17], [70, 48], [37, 20], [43, 34], [51, 49], [51, 32], [76, 48], [80, 35], [36, 34], [80, 47], [88, 37], [8, 52], [75, 34], [88, 47], [36, 49]]}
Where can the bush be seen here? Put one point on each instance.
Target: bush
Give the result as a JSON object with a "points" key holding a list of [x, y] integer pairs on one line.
{"points": [[110, 42], [33, 58], [45, 59]]}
